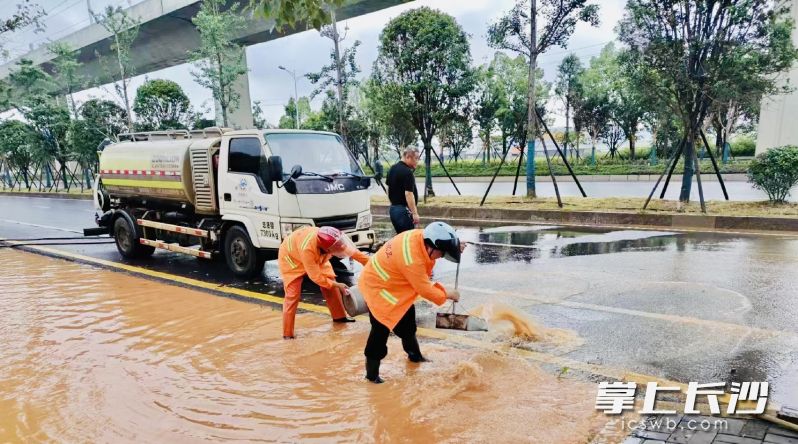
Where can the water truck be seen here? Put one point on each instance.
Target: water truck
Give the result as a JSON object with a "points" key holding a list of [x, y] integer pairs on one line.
{"points": [[218, 192]]}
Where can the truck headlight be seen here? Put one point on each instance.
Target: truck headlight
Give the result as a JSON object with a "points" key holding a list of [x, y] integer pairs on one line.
{"points": [[363, 221]]}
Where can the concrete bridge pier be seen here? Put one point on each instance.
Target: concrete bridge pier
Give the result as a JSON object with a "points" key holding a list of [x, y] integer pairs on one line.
{"points": [[239, 117]]}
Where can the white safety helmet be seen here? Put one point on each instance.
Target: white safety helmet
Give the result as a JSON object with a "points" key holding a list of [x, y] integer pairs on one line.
{"points": [[442, 237]]}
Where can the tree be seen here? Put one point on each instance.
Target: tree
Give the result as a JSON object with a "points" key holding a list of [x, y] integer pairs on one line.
{"points": [[257, 116], [425, 54], [517, 31], [290, 13], [65, 66], [288, 121], [457, 135], [567, 87], [105, 118], [702, 50], [161, 104], [124, 29], [27, 14], [487, 102], [384, 105], [99, 120], [340, 73], [513, 111], [775, 172], [15, 149], [219, 60]]}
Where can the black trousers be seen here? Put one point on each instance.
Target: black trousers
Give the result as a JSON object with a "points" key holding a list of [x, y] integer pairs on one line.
{"points": [[377, 343], [401, 218]]}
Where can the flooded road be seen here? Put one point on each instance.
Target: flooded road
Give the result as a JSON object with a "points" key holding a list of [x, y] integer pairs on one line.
{"points": [[92, 355]]}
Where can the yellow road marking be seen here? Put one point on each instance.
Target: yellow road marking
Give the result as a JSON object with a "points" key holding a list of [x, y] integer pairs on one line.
{"points": [[546, 358]]}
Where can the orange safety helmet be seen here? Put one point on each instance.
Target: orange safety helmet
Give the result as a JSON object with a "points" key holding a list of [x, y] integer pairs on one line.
{"points": [[335, 242]]}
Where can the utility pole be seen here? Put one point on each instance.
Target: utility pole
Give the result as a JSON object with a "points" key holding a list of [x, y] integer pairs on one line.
{"points": [[296, 97], [339, 73]]}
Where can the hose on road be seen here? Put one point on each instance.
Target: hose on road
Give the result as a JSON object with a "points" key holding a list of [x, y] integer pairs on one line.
{"points": [[15, 245]]}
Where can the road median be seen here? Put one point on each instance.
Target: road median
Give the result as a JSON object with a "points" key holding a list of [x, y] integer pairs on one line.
{"points": [[725, 216]]}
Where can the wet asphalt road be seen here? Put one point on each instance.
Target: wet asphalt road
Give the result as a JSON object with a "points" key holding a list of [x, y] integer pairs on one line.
{"points": [[701, 307]]}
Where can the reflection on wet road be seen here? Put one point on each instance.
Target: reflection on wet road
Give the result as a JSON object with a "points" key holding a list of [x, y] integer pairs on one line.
{"points": [[683, 306], [90, 355]]}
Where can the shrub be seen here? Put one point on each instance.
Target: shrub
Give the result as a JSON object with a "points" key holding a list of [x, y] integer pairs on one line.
{"points": [[743, 145], [775, 171]]}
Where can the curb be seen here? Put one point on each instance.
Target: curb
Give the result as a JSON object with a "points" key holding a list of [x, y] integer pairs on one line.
{"points": [[46, 194], [786, 225]]}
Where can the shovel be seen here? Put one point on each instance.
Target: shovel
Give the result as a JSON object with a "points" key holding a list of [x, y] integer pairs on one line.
{"points": [[453, 321]]}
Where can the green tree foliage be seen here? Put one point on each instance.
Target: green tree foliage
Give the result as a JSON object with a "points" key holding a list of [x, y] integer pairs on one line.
{"points": [[701, 50], [288, 120], [124, 29], [15, 147], [385, 107], [219, 59], [292, 13], [512, 80], [567, 87], [161, 104], [424, 55], [517, 31], [487, 101], [257, 115], [99, 120], [26, 14], [65, 67], [775, 172], [457, 135]]}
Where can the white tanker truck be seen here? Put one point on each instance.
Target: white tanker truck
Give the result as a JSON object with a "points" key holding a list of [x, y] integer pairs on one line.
{"points": [[220, 192]]}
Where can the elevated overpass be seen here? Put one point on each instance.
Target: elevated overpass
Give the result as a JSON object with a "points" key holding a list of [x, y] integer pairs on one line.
{"points": [[167, 37]]}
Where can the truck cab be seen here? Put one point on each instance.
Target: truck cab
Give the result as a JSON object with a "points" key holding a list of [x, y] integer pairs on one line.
{"points": [[239, 193]]}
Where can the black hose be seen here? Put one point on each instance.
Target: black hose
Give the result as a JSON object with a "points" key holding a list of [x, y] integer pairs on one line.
{"points": [[3, 239], [6, 245]]}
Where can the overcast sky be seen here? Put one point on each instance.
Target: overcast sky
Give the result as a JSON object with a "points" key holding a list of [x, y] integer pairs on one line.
{"points": [[308, 51]]}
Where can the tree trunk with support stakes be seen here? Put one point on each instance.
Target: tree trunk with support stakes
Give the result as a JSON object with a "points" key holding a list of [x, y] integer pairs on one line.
{"points": [[531, 98], [689, 166], [428, 192]]}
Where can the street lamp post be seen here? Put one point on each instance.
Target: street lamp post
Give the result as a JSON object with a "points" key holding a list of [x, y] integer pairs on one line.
{"points": [[296, 97]]}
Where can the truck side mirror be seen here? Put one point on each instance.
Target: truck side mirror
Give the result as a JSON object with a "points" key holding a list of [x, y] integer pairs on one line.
{"points": [[275, 168], [296, 171]]}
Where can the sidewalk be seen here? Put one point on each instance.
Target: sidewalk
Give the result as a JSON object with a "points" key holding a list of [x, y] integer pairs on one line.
{"points": [[689, 429]]}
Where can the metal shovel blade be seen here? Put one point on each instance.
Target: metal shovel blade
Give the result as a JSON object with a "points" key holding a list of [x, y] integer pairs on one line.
{"points": [[453, 321]]}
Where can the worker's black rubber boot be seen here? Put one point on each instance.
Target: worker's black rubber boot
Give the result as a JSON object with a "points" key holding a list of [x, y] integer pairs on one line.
{"points": [[343, 319], [373, 371], [413, 350]]}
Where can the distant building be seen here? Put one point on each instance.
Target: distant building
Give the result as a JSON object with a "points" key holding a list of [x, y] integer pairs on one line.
{"points": [[778, 115]]}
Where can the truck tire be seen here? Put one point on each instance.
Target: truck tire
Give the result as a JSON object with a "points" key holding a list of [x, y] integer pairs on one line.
{"points": [[127, 236], [242, 257]]}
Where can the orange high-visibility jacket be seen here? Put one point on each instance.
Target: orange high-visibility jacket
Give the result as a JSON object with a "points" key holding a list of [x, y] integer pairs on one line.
{"points": [[395, 275], [299, 255]]}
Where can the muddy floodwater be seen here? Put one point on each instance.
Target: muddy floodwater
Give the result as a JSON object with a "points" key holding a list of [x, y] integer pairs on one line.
{"points": [[91, 355]]}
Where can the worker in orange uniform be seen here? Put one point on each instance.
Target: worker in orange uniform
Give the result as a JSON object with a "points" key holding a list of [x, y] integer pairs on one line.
{"points": [[392, 279], [307, 252]]}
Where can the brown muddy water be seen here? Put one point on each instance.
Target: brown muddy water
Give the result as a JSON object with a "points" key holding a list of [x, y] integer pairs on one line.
{"points": [[91, 355]]}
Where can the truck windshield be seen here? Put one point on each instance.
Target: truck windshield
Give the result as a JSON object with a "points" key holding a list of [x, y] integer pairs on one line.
{"points": [[318, 153]]}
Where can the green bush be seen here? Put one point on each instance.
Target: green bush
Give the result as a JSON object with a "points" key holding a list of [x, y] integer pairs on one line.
{"points": [[775, 171], [743, 145]]}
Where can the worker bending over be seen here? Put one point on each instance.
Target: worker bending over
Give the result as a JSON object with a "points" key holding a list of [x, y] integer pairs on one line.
{"points": [[307, 252], [392, 279]]}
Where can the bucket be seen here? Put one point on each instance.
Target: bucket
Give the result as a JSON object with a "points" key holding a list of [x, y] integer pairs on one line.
{"points": [[454, 321], [354, 304]]}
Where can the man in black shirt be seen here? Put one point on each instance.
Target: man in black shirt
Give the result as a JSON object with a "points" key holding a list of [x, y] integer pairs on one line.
{"points": [[402, 191]]}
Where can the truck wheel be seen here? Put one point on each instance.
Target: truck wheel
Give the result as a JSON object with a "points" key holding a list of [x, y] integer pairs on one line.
{"points": [[242, 257], [127, 240]]}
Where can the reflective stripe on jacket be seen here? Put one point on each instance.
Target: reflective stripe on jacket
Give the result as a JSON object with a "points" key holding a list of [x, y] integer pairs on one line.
{"points": [[299, 255], [396, 275]]}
